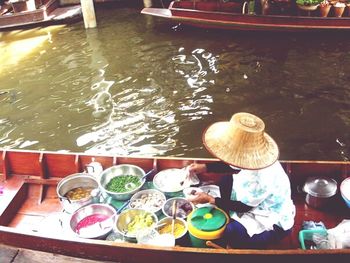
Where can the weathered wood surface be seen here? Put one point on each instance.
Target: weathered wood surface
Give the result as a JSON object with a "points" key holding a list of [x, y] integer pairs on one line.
{"points": [[19, 255]]}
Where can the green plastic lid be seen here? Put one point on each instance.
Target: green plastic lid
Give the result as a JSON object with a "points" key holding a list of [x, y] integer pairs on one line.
{"points": [[208, 218]]}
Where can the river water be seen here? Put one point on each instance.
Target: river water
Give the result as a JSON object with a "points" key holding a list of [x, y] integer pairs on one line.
{"points": [[137, 85]]}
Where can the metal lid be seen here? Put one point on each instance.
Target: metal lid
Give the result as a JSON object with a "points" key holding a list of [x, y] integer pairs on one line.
{"points": [[320, 186]]}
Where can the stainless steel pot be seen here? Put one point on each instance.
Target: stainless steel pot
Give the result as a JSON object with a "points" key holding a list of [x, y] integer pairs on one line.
{"points": [[320, 191], [73, 181]]}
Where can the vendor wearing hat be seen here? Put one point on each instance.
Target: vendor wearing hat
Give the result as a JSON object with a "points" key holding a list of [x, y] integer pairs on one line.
{"points": [[258, 194]]}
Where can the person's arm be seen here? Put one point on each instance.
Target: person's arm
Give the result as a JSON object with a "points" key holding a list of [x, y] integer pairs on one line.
{"points": [[220, 167], [236, 206], [226, 205]]}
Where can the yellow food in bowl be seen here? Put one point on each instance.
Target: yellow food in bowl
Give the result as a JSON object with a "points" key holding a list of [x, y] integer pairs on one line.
{"points": [[78, 193], [179, 229], [140, 222]]}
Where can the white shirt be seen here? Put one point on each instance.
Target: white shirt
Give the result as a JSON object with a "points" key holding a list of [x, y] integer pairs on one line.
{"points": [[268, 191]]}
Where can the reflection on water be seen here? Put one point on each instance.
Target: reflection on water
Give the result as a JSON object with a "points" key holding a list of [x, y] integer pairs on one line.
{"points": [[136, 85]]}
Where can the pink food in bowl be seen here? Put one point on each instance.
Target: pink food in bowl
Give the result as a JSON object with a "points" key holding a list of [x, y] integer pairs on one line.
{"points": [[89, 221]]}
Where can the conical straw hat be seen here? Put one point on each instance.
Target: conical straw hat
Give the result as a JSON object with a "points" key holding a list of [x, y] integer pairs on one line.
{"points": [[241, 142]]}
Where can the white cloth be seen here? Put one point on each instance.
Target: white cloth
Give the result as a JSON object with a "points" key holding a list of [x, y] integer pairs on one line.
{"points": [[268, 191]]}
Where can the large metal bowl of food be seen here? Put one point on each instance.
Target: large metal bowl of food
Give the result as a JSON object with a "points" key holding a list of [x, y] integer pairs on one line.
{"points": [[93, 221], [148, 199], [131, 221], [122, 181], [75, 191]]}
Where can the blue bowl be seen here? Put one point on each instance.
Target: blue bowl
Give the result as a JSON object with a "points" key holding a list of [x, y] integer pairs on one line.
{"points": [[345, 191]]}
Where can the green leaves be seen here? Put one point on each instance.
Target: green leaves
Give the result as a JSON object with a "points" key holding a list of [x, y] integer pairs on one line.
{"points": [[308, 2]]}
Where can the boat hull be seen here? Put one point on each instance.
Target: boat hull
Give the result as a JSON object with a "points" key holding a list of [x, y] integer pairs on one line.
{"points": [[214, 19], [49, 13], [133, 253], [29, 205]]}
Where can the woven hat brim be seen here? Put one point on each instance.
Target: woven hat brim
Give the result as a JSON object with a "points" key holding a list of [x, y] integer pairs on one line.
{"points": [[219, 143]]}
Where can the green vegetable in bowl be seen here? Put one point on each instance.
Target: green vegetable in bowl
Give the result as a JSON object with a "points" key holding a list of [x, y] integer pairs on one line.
{"points": [[117, 184]]}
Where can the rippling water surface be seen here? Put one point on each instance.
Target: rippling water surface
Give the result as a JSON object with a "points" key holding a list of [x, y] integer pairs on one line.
{"points": [[136, 85]]}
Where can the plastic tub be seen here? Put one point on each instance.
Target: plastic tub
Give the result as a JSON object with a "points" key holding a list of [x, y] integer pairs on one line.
{"points": [[206, 223], [308, 235]]}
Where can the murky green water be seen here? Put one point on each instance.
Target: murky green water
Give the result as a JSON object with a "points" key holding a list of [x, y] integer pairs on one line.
{"points": [[136, 85]]}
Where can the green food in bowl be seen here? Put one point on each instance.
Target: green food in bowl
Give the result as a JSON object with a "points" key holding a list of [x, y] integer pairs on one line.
{"points": [[118, 184], [122, 170]]}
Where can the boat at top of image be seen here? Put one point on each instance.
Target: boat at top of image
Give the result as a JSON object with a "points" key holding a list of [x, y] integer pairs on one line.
{"points": [[258, 15], [18, 14], [32, 212]]}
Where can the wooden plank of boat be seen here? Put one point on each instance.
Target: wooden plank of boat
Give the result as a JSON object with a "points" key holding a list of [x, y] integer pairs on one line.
{"points": [[210, 16], [29, 203], [49, 13], [16, 255]]}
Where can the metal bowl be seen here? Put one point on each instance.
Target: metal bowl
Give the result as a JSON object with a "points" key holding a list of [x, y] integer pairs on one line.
{"points": [[74, 181], [170, 181], [150, 199], [118, 170], [183, 207], [165, 227], [128, 217], [97, 230]]}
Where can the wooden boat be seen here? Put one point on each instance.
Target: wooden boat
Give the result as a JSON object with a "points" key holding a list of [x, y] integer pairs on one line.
{"points": [[284, 16], [28, 180], [47, 12]]}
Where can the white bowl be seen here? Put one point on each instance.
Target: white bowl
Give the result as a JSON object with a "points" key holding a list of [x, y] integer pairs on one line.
{"points": [[345, 191], [170, 181]]}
